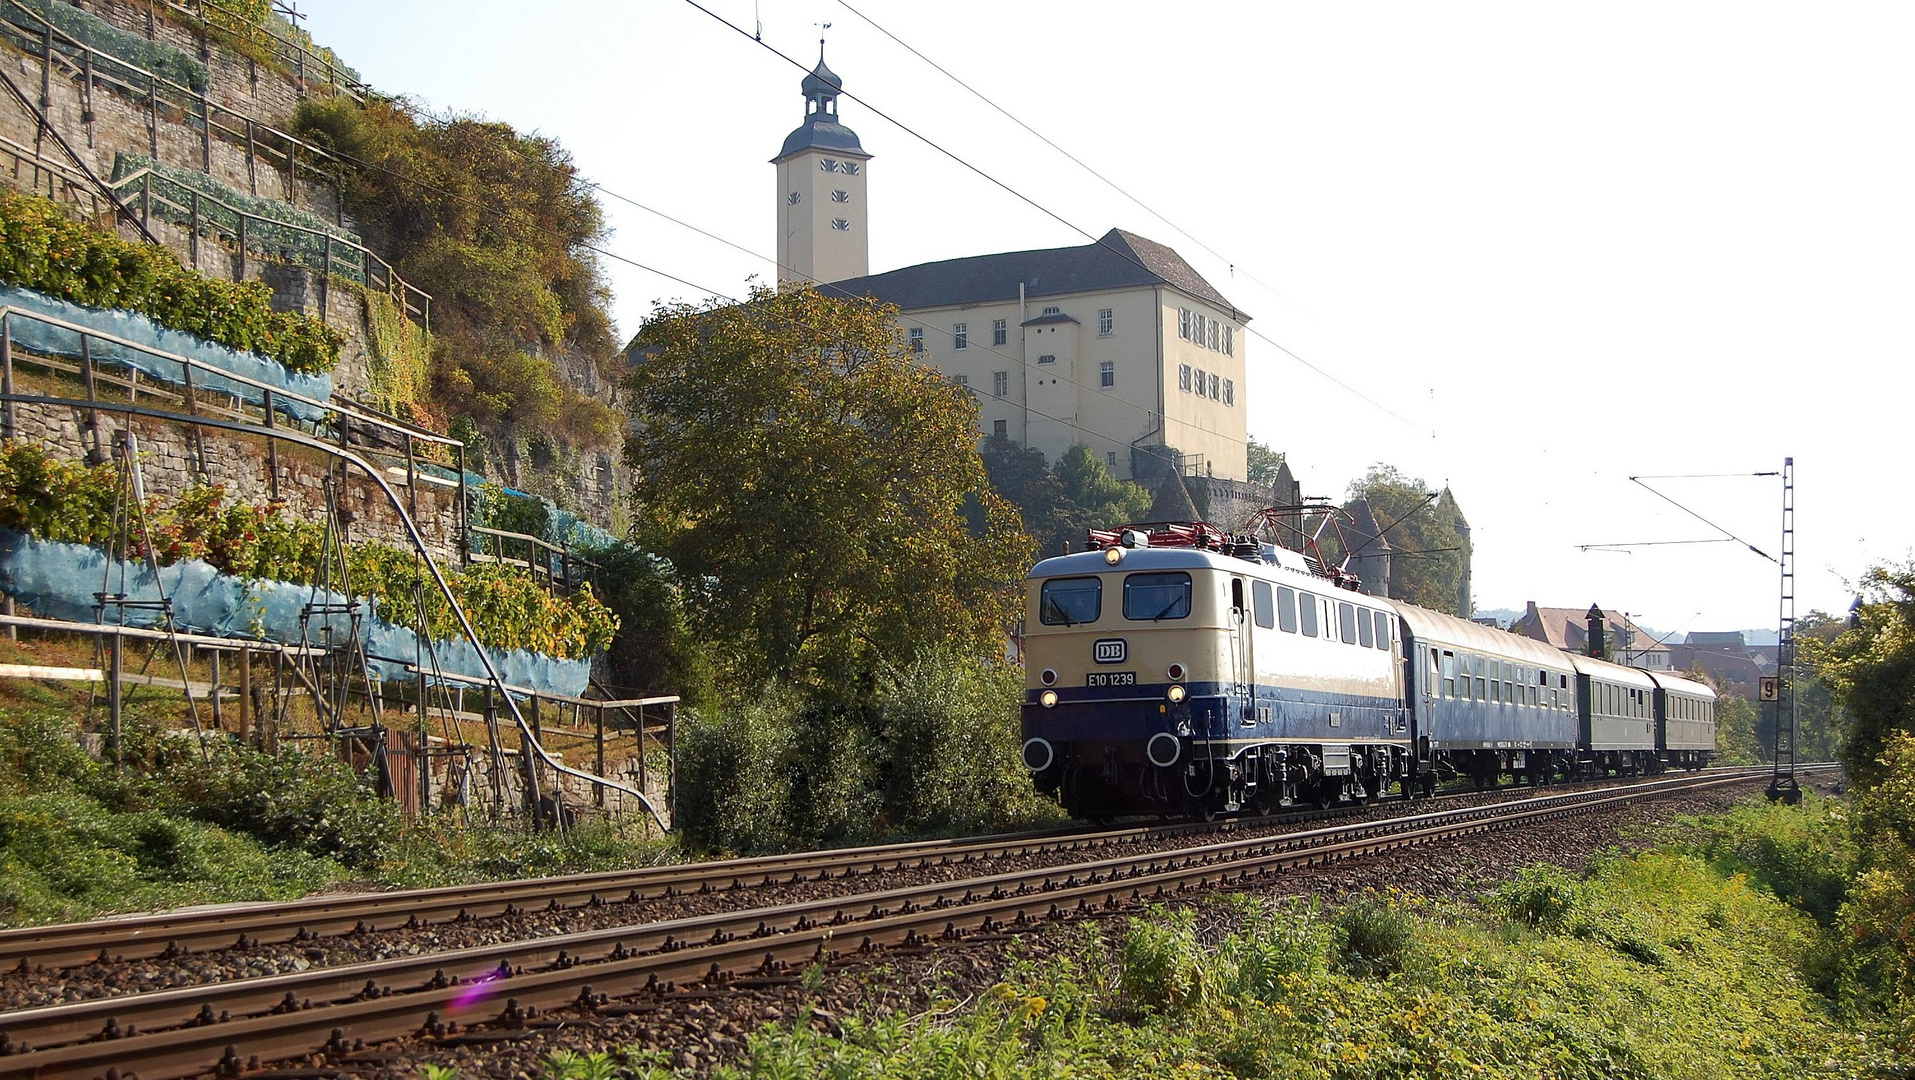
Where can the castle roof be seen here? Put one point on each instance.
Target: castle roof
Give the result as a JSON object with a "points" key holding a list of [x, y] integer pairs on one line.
{"points": [[1117, 260]]}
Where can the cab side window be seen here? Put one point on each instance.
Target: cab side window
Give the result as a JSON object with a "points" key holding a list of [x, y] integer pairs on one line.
{"points": [[1346, 622], [1266, 612], [1382, 629], [1287, 609], [1307, 608]]}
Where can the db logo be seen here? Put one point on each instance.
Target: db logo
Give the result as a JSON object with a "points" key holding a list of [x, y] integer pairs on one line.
{"points": [[1110, 651]]}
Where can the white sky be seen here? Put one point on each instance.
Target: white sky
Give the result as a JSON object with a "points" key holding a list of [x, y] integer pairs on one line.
{"points": [[1569, 244]]}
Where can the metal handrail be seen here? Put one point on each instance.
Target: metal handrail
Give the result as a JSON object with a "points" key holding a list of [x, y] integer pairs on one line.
{"points": [[535, 546], [38, 33], [298, 54], [394, 286]]}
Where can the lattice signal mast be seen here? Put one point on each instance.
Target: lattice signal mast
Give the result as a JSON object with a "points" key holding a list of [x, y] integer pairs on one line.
{"points": [[1782, 783]]}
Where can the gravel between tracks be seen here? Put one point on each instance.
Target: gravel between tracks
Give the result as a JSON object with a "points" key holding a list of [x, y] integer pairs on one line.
{"points": [[701, 1031], [28, 989]]}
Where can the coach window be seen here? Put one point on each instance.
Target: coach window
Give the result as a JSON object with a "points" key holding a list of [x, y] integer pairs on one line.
{"points": [[1449, 674], [1482, 688], [1286, 609], [1069, 601], [1382, 629], [1150, 597], [1307, 611], [1346, 622], [1266, 612]]}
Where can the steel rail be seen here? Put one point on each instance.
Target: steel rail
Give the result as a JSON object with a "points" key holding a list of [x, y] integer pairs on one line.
{"points": [[190, 1030], [171, 933]]}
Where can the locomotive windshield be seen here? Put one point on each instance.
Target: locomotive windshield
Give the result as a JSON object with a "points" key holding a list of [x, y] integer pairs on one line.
{"points": [[1150, 597], [1069, 601]]}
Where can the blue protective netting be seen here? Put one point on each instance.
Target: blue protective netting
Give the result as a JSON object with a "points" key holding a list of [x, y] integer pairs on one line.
{"points": [[131, 326], [61, 581]]}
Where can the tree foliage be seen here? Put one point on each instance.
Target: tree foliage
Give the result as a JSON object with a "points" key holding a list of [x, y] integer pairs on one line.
{"points": [[1264, 463], [1429, 552], [1058, 502], [1871, 668], [500, 228], [809, 482]]}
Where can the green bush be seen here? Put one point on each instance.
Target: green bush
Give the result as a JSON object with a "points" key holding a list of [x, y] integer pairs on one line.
{"points": [[1541, 896], [1376, 937], [1802, 853], [735, 776], [289, 800], [43, 250], [1162, 968]]}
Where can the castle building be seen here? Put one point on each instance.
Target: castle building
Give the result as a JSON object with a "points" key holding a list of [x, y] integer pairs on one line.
{"points": [[823, 232], [1118, 344]]}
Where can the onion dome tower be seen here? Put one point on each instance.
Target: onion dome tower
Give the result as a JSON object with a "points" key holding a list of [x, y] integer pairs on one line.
{"points": [[822, 219]]}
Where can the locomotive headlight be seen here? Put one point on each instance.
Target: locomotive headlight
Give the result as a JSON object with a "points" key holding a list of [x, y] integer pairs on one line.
{"points": [[1048, 699], [1049, 676], [1175, 694], [1176, 673], [1114, 555]]}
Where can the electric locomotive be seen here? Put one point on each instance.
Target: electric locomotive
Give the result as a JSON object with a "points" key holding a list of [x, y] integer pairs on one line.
{"points": [[1176, 670]]}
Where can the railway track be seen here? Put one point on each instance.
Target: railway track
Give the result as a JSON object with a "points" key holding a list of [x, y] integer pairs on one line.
{"points": [[506, 989]]}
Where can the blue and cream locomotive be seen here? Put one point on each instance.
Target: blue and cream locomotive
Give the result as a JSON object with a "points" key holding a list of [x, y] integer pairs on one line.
{"points": [[1184, 671]]}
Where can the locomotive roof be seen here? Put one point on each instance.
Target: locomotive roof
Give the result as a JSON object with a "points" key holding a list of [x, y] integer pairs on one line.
{"points": [[1430, 625], [1682, 686], [1616, 673], [1164, 558]]}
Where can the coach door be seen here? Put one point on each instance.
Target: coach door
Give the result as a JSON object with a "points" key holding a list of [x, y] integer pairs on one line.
{"points": [[1241, 671]]}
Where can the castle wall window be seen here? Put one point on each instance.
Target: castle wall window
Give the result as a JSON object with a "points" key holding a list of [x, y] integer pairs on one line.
{"points": [[963, 380], [1107, 374], [1230, 391], [1216, 386], [1000, 383], [793, 198], [1047, 358], [1000, 332], [851, 167], [1104, 320], [999, 428], [840, 224], [1216, 337], [1110, 460], [1183, 377], [1051, 311], [917, 339], [1229, 340], [841, 196], [1201, 382], [828, 165], [960, 336], [1183, 323]]}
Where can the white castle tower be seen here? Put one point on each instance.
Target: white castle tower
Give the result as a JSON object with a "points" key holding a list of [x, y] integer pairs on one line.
{"points": [[821, 186]]}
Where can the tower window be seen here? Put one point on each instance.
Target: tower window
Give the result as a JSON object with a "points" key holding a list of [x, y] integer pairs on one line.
{"points": [[841, 224], [1107, 374], [960, 336], [828, 164], [1000, 383], [998, 428], [1000, 332], [1230, 341], [841, 196], [917, 339], [1051, 311], [851, 167], [1110, 460], [1104, 320], [1047, 358], [792, 198]]}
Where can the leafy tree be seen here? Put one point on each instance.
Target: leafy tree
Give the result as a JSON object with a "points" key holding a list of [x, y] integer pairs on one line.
{"points": [[808, 481], [500, 228], [1429, 553], [1736, 726], [1058, 502], [1264, 463], [1870, 669]]}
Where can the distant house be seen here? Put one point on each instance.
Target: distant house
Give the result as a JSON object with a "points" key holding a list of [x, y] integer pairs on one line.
{"points": [[1739, 674], [1567, 629], [1723, 641]]}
